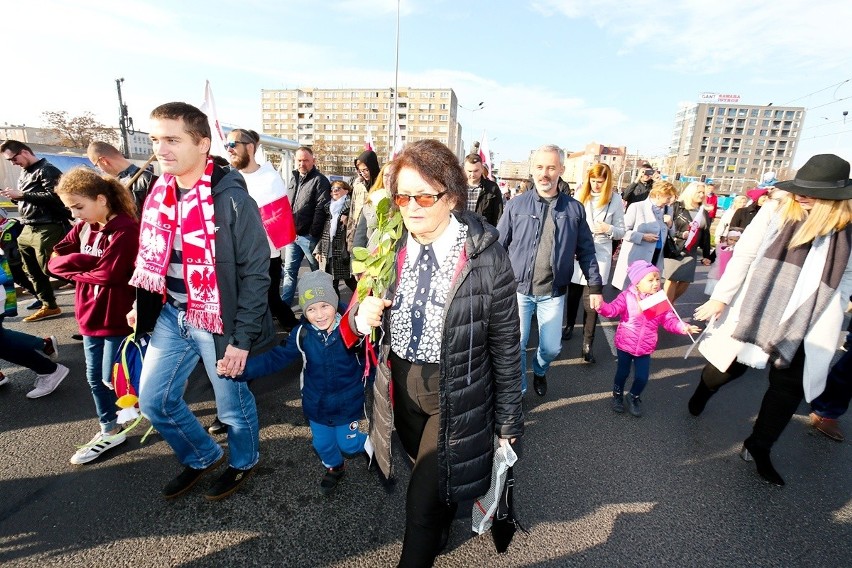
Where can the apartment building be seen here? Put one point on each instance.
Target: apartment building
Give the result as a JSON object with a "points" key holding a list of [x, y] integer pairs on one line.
{"points": [[336, 122], [734, 143], [578, 163]]}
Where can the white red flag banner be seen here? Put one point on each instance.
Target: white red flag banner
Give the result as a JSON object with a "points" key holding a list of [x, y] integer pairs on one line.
{"points": [[208, 107], [655, 305]]}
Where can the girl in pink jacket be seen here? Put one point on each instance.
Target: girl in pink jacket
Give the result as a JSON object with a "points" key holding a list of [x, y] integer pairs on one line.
{"points": [[642, 308]]}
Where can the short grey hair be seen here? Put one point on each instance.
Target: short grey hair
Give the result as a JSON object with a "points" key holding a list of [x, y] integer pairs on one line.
{"points": [[555, 149]]}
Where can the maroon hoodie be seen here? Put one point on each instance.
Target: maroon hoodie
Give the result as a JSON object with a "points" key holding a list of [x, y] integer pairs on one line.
{"points": [[100, 262]]}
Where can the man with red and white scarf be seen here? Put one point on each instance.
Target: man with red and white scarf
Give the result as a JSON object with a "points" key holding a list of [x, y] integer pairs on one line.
{"points": [[202, 276]]}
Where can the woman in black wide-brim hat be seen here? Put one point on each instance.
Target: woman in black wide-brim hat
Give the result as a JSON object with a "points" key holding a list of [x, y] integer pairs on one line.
{"points": [[780, 302]]}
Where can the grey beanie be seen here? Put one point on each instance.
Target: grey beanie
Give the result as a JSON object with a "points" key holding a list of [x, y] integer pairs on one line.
{"points": [[316, 287]]}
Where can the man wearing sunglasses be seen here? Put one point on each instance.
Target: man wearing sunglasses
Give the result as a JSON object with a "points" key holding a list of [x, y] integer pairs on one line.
{"points": [[544, 230], [45, 220], [309, 191]]}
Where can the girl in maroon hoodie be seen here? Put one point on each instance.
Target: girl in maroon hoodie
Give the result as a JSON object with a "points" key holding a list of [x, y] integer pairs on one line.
{"points": [[98, 256]]}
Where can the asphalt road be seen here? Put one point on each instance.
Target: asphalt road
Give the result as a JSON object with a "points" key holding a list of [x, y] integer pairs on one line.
{"points": [[593, 488]]}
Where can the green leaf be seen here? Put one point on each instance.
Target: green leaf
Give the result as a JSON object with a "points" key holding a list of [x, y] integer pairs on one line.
{"points": [[358, 266], [360, 253]]}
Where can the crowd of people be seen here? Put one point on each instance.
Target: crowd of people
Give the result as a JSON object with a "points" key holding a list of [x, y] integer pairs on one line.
{"points": [[191, 258]]}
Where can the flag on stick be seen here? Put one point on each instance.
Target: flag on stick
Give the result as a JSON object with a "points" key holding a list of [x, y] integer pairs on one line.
{"points": [[692, 237], [485, 154], [208, 107], [368, 142], [655, 305]]}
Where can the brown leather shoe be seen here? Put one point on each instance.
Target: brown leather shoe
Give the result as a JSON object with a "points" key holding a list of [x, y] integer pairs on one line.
{"points": [[828, 426]]}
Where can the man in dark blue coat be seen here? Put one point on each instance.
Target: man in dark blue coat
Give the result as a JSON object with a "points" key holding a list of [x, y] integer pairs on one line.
{"points": [[543, 230]]}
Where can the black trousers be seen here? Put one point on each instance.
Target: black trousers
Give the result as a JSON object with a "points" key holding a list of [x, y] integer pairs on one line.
{"points": [[417, 421], [576, 292], [279, 308], [780, 402]]}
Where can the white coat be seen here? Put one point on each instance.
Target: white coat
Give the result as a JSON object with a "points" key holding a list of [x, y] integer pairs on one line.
{"points": [[611, 214], [820, 342]]}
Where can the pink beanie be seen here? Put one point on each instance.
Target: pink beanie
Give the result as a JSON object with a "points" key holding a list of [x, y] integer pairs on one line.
{"points": [[638, 269]]}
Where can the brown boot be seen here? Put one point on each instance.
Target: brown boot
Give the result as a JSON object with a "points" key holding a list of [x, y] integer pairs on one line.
{"points": [[828, 426]]}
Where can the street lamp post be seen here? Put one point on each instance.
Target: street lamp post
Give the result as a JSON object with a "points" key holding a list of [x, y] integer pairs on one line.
{"points": [[480, 106], [125, 123]]}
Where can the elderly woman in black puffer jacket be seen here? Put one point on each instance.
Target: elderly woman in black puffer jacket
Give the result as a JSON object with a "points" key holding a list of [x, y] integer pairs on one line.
{"points": [[450, 348]]}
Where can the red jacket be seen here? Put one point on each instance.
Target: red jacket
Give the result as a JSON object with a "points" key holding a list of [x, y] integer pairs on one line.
{"points": [[101, 267]]}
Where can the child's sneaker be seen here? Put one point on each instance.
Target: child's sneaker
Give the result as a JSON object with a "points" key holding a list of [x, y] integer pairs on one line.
{"points": [[51, 348], [634, 405], [3, 379], [618, 402], [330, 479], [96, 447]]}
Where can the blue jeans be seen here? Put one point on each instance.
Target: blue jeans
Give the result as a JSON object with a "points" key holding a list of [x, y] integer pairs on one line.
{"points": [[25, 350], [303, 247], [174, 351], [100, 354], [834, 400], [548, 312], [641, 373], [332, 442]]}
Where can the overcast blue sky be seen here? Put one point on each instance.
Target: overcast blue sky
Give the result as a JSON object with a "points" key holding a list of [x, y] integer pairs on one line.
{"points": [[548, 71]]}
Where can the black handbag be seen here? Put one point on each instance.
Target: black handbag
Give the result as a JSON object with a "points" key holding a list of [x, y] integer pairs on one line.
{"points": [[670, 249], [504, 525]]}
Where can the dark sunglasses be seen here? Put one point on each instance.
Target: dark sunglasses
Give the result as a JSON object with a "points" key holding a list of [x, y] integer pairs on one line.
{"points": [[422, 200], [232, 145]]}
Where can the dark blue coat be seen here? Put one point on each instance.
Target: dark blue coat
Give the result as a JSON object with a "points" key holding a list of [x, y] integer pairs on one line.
{"points": [[331, 378], [520, 231]]}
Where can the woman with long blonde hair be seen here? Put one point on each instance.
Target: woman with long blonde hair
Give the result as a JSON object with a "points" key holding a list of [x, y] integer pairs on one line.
{"points": [[605, 216], [780, 302], [691, 225]]}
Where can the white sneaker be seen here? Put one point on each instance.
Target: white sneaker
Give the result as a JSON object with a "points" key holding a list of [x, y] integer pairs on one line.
{"points": [[96, 447], [3, 379], [46, 384]]}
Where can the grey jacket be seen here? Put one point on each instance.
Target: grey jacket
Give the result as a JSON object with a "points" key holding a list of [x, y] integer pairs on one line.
{"points": [[242, 271]]}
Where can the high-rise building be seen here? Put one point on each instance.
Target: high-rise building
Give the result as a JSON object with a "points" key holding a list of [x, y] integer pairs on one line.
{"points": [[335, 123], [732, 143]]}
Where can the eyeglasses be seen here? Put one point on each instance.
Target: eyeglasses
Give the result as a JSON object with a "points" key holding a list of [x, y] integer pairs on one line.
{"points": [[423, 200], [233, 144], [12, 159], [338, 188]]}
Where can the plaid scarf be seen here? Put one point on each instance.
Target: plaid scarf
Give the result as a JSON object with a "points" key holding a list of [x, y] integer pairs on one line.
{"points": [[198, 234], [790, 290]]}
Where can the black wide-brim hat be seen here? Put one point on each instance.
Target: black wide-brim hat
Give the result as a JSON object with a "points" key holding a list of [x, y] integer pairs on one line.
{"points": [[824, 176]]}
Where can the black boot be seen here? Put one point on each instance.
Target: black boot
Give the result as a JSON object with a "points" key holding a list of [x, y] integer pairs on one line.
{"points": [[567, 332], [761, 459], [587, 353], [699, 399]]}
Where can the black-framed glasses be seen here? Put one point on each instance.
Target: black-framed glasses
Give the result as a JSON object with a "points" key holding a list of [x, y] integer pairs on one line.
{"points": [[233, 144], [423, 200], [12, 159]]}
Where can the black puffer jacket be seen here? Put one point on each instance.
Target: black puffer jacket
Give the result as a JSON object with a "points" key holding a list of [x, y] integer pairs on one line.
{"points": [[308, 195], [480, 389]]}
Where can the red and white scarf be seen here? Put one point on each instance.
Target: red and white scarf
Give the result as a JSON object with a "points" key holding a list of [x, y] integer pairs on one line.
{"points": [[198, 238]]}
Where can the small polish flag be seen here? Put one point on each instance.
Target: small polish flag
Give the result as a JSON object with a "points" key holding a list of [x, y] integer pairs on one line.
{"points": [[654, 305], [368, 142], [691, 237]]}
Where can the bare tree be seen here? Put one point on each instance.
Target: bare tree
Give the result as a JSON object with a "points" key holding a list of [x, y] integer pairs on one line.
{"points": [[78, 131]]}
